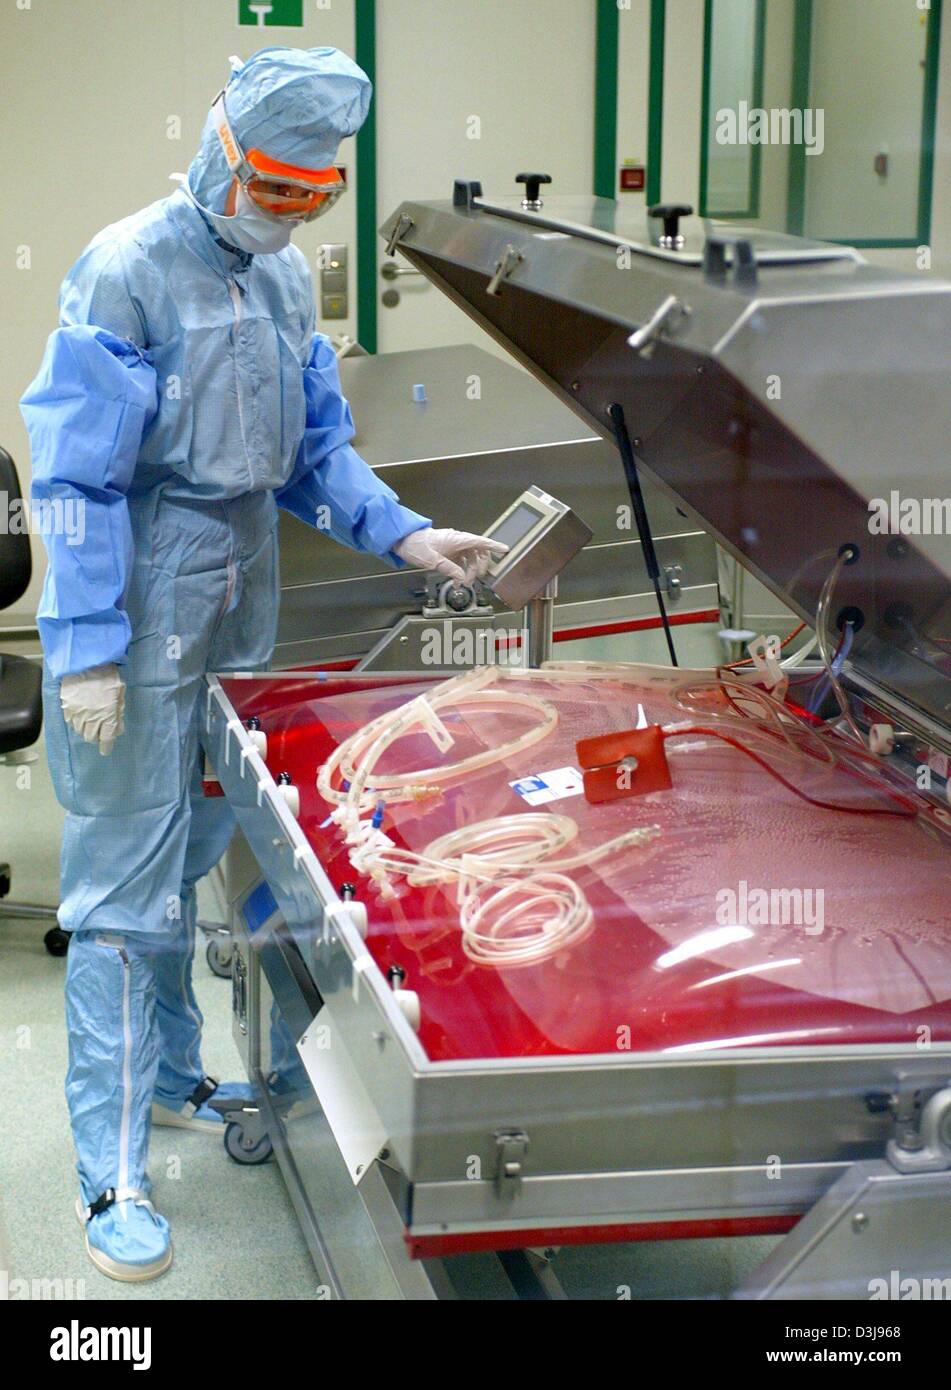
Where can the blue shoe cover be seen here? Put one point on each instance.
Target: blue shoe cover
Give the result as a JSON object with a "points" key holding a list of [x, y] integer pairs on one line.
{"points": [[128, 1241], [204, 1118]]}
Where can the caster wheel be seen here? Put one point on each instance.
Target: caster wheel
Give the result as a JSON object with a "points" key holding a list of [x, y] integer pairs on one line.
{"points": [[238, 1148], [56, 941], [219, 958]]}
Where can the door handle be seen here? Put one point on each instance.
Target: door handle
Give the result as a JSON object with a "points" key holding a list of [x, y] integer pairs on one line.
{"points": [[390, 271]]}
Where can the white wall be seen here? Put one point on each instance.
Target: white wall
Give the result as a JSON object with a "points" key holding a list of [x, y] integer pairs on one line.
{"points": [[509, 86], [683, 87]]}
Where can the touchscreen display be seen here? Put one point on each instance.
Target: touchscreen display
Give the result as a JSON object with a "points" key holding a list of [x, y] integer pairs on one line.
{"points": [[517, 524]]}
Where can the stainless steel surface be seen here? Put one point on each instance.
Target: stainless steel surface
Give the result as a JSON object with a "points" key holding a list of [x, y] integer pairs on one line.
{"points": [[32, 912], [333, 260], [447, 645], [354, 1252], [389, 271], [620, 225], [487, 432], [334, 306], [540, 626], [876, 1234], [541, 546], [333, 257], [668, 318], [794, 395]]}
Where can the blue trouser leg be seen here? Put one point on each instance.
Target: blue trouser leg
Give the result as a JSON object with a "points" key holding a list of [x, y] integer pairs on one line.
{"points": [[179, 1017], [113, 1058]]}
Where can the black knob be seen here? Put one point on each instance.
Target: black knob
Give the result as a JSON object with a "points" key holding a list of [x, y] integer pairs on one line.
{"points": [[533, 183], [671, 213], [396, 975]]}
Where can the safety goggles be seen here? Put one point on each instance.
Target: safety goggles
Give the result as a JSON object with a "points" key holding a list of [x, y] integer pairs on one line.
{"points": [[279, 190]]}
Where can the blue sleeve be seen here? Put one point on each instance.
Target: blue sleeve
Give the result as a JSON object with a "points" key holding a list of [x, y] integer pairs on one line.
{"points": [[86, 413], [109, 287], [332, 488]]}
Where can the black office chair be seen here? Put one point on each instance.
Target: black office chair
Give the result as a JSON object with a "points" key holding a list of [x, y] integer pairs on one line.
{"points": [[21, 709]]}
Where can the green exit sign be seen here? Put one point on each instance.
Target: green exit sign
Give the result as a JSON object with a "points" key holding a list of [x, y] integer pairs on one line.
{"points": [[288, 14]]}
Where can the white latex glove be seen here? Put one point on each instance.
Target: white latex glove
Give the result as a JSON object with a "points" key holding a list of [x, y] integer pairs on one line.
{"points": [[94, 704], [458, 555]]}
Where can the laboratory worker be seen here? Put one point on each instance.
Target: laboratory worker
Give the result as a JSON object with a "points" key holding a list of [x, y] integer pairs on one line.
{"points": [[184, 398]]}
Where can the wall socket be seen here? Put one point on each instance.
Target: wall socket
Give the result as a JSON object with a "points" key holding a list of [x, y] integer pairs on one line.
{"points": [[334, 294]]}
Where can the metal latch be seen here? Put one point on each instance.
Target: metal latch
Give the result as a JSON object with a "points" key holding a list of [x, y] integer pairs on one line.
{"points": [[511, 1146], [510, 259], [921, 1136], [668, 317], [745, 269], [922, 1141], [403, 224], [239, 991]]}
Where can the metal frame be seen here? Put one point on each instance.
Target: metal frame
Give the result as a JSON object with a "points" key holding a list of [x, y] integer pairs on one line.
{"points": [[860, 1232]]}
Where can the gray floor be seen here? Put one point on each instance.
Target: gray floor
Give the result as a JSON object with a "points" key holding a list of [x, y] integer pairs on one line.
{"points": [[234, 1230]]}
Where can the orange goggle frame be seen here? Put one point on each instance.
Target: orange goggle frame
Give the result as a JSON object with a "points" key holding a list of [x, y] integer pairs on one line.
{"points": [[288, 190], [282, 190]]}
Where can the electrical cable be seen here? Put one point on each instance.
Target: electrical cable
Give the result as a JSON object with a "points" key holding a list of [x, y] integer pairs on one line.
{"points": [[910, 811], [736, 665]]}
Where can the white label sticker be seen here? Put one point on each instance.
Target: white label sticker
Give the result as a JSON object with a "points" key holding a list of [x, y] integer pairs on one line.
{"points": [[549, 786]]}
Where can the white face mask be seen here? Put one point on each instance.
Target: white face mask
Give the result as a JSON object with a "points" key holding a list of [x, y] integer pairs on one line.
{"points": [[250, 229]]}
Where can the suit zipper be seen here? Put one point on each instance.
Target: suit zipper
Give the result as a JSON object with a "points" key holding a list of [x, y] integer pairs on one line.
{"points": [[122, 1179], [235, 292]]}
